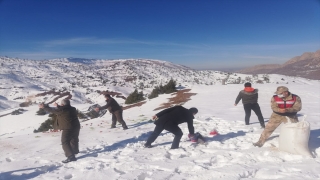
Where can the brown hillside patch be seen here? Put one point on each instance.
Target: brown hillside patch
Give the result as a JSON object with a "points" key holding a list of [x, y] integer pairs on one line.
{"points": [[59, 94], [134, 105], [181, 97], [112, 94]]}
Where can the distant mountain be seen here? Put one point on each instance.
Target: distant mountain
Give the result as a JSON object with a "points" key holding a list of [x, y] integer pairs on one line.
{"points": [[80, 60], [260, 69], [307, 65]]}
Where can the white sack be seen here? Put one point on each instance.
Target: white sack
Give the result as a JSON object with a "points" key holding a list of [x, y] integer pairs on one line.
{"points": [[294, 138]]}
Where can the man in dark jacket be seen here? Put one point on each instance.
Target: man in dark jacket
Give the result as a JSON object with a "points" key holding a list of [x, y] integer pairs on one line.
{"points": [[169, 119], [68, 122], [116, 111], [249, 98]]}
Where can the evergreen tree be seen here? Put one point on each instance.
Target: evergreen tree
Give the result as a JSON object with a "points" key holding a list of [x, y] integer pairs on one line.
{"points": [[170, 87], [161, 89], [134, 97], [155, 93]]}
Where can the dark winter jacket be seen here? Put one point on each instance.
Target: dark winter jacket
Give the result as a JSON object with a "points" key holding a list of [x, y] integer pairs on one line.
{"points": [[112, 105], [247, 97], [67, 117], [174, 116]]}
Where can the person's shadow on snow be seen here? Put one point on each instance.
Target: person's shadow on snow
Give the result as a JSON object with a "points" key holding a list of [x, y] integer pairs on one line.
{"points": [[140, 124], [118, 145], [224, 137], [314, 140], [27, 174], [266, 120]]}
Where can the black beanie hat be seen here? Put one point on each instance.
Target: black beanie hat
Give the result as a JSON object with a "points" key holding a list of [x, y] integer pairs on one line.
{"points": [[193, 110], [107, 95], [247, 84]]}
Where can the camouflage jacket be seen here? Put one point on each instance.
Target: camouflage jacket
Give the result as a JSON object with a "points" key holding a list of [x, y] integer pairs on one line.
{"points": [[289, 111]]}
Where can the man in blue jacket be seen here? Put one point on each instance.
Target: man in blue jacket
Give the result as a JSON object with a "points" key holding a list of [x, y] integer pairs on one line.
{"points": [[169, 119]]}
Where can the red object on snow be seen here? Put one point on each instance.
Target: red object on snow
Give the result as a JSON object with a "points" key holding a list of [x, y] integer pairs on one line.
{"points": [[214, 132]]}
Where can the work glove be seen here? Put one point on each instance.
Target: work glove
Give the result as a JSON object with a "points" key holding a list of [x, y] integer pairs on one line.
{"points": [[192, 137]]}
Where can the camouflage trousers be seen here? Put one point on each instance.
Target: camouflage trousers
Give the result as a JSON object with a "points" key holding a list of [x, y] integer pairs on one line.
{"points": [[274, 121]]}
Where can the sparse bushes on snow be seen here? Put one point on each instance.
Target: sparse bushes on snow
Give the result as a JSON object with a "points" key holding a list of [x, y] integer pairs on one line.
{"points": [[259, 82], [170, 87], [25, 104], [41, 112], [248, 79], [154, 93], [81, 115], [47, 124], [266, 78], [134, 97], [17, 112]]}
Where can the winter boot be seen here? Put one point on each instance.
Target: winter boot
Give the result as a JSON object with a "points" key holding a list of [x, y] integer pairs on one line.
{"points": [[147, 145], [258, 144], [69, 159]]}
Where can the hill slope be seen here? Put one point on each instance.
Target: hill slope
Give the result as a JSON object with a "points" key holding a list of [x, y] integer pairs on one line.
{"points": [[307, 65], [82, 79]]}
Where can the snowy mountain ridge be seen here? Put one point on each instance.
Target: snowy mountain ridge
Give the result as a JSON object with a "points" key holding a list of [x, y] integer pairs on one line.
{"points": [[21, 80]]}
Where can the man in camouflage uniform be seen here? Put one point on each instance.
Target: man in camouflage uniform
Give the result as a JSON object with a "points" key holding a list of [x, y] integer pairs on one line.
{"points": [[284, 104]]}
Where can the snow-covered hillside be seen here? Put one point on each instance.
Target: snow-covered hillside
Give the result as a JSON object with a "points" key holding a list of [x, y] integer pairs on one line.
{"points": [[116, 154], [21, 80]]}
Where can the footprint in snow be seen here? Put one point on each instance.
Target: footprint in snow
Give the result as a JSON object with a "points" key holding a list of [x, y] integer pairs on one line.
{"points": [[68, 176], [9, 159]]}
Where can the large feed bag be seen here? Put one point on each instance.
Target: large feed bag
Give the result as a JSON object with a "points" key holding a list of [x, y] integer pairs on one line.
{"points": [[294, 138]]}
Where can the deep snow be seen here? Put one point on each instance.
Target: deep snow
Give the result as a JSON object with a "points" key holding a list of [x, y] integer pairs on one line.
{"points": [[117, 154]]}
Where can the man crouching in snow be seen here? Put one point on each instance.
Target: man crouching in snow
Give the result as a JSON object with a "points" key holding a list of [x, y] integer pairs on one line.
{"points": [[169, 119], [68, 122]]}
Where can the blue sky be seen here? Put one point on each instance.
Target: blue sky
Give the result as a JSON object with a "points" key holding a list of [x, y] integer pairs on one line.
{"points": [[205, 34]]}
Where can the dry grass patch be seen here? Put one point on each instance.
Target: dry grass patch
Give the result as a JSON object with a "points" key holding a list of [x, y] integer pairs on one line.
{"points": [[181, 97], [134, 105]]}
